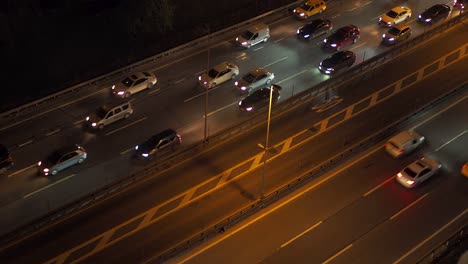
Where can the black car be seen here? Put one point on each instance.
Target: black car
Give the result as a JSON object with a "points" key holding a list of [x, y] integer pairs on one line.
{"points": [[337, 61], [260, 98], [157, 143], [6, 161], [342, 37], [315, 28], [434, 13]]}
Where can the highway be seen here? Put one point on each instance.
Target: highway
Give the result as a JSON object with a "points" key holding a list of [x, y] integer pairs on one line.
{"points": [[156, 215], [359, 213], [176, 102]]}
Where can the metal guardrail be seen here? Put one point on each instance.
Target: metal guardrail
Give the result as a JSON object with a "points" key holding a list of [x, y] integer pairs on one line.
{"points": [[324, 167], [117, 74], [355, 74], [443, 248]]}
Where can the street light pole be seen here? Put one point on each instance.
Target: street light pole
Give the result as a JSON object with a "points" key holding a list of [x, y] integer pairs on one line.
{"points": [[205, 135], [265, 155]]}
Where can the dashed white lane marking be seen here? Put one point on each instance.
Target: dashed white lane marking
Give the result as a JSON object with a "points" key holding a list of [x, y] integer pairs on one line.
{"points": [[441, 111], [360, 45], [378, 186], [259, 48], [53, 132], [451, 140], [48, 186], [301, 234], [275, 62], [179, 81], [200, 72], [337, 254], [126, 151], [120, 128], [220, 109], [25, 143], [154, 91], [407, 207], [20, 171], [292, 76]]}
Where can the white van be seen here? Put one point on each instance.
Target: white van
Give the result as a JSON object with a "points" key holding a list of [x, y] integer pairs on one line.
{"points": [[403, 143], [254, 35], [109, 113]]}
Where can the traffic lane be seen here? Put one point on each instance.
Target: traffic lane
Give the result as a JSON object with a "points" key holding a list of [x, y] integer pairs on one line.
{"points": [[247, 190], [369, 120], [416, 231]]}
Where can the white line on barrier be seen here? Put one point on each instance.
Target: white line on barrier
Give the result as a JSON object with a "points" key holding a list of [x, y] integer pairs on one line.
{"points": [[275, 62], [120, 128], [20, 171], [48, 186]]}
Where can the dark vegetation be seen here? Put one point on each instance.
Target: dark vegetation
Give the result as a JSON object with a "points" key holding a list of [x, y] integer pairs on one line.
{"points": [[49, 45]]}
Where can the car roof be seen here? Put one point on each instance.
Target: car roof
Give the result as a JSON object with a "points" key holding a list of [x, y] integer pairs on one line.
{"points": [[401, 26], [66, 149], [164, 134], [257, 27], [139, 75], [404, 136], [259, 71], [113, 103], [400, 9], [221, 67]]}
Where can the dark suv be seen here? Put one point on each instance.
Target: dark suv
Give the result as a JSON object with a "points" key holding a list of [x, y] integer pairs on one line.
{"points": [[434, 14], [342, 37], [157, 143], [338, 61], [6, 161]]}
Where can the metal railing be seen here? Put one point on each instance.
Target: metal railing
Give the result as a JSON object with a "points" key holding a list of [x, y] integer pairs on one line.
{"points": [[355, 74], [446, 246]]}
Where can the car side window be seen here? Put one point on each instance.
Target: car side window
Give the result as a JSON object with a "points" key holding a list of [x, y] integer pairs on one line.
{"points": [[163, 143], [110, 114], [255, 36], [224, 72], [68, 156], [125, 107], [118, 110], [424, 172], [139, 81]]}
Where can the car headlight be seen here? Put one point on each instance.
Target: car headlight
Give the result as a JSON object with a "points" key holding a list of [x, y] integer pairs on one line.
{"points": [[298, 31], [240, 103], [333, 45], [243, 88], [325, 40], [327, 72], [249, 108], [380, 19], [244, 43], [39, 163], [301, 14], [87, 118], [46, 170], [391, 39], [113, 87], [383, 35], [94, 124], [306, 36], [428, 20], [199, 78], [389, 23], [419, 16], [120, 93], [145, 155], [236, 83], [136, 147]]}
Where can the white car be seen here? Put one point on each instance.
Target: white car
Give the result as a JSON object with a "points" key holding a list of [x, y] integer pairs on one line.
{"points": [[218, 74], [253, 80], [417, 172], [134, 84], [395, 15], [403, 143]]}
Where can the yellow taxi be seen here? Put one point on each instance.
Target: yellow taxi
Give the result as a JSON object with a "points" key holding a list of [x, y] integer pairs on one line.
{"points": [[464, 170], [396, 15], [309, 8]]}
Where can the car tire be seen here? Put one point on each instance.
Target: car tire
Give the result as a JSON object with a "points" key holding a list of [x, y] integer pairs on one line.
{"points": [[150, 85], [80, 161], [54, 172], [355, 40], [233, 76], [213, 85], [127, 115], [101, 127], [249, 45], [265, 39], [321, 11], [127, 95], [268, 81]]}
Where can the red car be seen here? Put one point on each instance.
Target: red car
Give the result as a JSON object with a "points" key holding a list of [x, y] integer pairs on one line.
{"points": [[342, 37], [459, 3]]}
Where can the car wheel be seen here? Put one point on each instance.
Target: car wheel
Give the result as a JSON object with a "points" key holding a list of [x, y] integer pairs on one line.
{"points": [[54, 172], [265, 39], [268, 81], [127, 95], [126, 115], [101, 127], [321, 11], [355, 40], [150, 85], [213, 85], [249, 45], [233, 76], [80, 160]]}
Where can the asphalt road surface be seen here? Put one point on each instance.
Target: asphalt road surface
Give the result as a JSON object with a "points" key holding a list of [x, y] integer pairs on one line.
{"points": [[156, 215]]}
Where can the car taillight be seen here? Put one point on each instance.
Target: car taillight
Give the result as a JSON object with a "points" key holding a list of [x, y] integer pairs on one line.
{"points": [[399, 175], [180, 138], [410, 182]]}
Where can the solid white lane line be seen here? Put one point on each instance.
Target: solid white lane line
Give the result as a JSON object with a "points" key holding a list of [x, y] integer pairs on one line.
{"points": [[407, 207], [259, 48], [451, 140], [337, 254], [292, 76], [220, 109], [441, 111], [430, 237], [378, 186], [278, 40], [48, 186], [280, 205], [301, 234], [275, 62], [118, 129], [20, 171]]}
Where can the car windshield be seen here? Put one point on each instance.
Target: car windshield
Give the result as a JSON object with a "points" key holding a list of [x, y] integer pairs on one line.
{"points": [[305, 6], [394, 31], [340, 33], [213, 73], [127, 82], [314, 24], [392, 14], [335, 58], [249, 78], [54, 157], [410, 172], [247, 34], [433, 10], [101, 112]]}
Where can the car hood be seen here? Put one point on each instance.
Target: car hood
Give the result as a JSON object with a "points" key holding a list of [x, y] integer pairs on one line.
{"points": [[147, 146], [241, 83], [204, 78], [93, 118], [334, 39], [120, 87], [387, 19], [328, 63]]}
